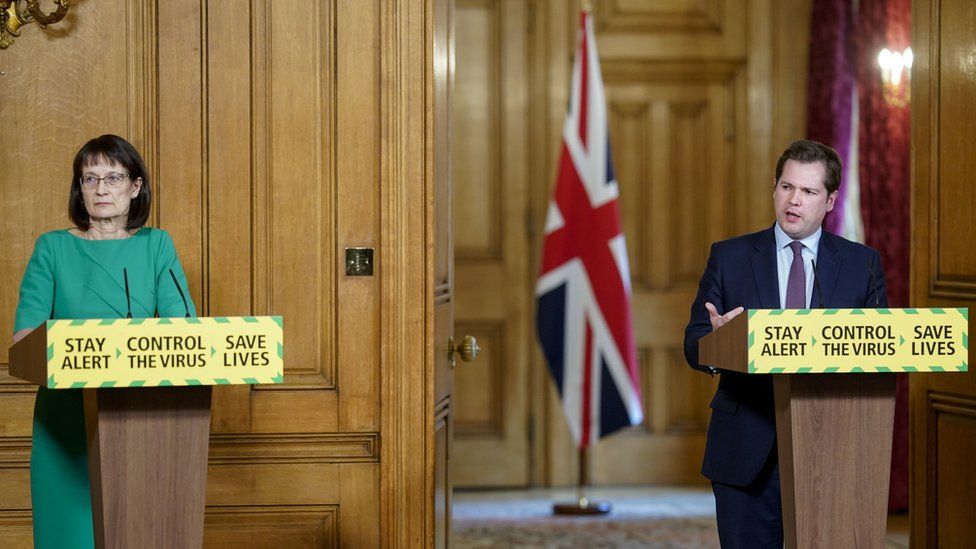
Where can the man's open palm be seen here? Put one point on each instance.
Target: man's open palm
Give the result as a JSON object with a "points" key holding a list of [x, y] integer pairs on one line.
{"points": [[719, 320]]}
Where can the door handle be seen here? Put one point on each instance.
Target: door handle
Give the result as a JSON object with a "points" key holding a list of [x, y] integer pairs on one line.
{"points": [[467, 348]]}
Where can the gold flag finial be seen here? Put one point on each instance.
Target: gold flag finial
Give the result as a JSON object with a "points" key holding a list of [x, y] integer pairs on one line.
{"points": [[585, 6]]}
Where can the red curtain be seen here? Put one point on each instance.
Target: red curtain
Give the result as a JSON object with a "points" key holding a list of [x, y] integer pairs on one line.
{"points": [[845, 43], [884, 150]]}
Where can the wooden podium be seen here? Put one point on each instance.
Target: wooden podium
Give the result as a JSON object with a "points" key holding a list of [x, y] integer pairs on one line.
{"points": [[147, 388], [835, 399]]}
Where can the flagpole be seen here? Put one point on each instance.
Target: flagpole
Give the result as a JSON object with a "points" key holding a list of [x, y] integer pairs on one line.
{"points": [[583, 505], [587, 113]]}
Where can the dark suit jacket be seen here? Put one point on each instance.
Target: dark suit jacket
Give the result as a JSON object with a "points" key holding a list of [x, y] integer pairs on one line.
{"points": [[742, 271]]}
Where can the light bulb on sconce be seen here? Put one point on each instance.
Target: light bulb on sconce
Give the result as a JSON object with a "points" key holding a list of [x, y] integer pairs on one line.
{"points": [[896, 76]]}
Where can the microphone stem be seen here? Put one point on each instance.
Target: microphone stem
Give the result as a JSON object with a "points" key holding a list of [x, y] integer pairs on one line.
{"points": [[128, 300]]}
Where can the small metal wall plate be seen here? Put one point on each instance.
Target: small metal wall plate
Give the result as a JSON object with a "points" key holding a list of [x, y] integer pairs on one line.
{"points": [[359, 261]]}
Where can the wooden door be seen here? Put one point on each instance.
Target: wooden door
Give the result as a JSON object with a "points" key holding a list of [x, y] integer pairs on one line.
{"points": [[493, 271], [444, 359], [278, 134], [943, 268], [699, 110]]}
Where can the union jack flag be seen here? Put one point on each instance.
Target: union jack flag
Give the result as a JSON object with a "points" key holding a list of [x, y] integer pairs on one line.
{"points": [[583, 291]]}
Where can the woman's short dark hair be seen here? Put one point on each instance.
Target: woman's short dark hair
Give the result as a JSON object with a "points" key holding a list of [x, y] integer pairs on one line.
{"points": [[114, 150], [805, 151]]}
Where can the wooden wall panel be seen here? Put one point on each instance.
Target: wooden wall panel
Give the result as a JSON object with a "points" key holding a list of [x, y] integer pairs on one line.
{"points": [[15, 529], [631, 119], [478, 209], [953, 268], [228, 175], [179, 201], [943, 267], [269, 527], [683, 396], [673, 28], [695, 16], [302, 188], [482, 410], [266, 135], [60, 87], [355, 145], [952, 424]]}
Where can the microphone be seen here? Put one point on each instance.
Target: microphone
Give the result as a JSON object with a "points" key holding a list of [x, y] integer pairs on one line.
{"points": [[874, 287], [816, 284], [180, 290], [128, 300]]}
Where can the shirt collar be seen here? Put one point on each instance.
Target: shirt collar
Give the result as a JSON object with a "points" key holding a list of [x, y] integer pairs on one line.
{"points": [[783, 240]]}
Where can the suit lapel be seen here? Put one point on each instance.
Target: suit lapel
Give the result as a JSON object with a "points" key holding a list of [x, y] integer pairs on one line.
{"points": [[764, 270], [828, 267]]}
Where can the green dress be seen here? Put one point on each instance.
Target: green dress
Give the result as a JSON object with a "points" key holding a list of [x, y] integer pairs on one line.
{"points": [[69, 277]]}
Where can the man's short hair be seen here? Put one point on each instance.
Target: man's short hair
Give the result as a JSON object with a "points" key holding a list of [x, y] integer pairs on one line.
{"points": [[806, 151]]}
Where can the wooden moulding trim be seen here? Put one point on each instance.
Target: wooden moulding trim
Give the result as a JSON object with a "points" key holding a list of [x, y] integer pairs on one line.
{"points": [[15, 452], [15, 517], [306, 379], [16, 524], [706, 18], [960, 406], [271, 510], [10, 385], [237, 520], [670, 71], [406, 285], [294, 448]]}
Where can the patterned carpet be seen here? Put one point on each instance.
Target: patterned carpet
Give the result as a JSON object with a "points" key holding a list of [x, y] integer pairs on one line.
{"points": [[671, 518], [648, 517]]}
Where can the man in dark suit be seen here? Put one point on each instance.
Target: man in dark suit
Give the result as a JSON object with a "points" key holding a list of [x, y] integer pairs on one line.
{"points": [[793, 264]]}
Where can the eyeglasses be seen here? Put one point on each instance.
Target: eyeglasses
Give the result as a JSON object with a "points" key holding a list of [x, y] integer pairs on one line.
{"points": [[112, 180]]}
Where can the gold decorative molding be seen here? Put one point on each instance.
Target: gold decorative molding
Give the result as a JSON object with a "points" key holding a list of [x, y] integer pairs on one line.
{"points": [[14, 14]]}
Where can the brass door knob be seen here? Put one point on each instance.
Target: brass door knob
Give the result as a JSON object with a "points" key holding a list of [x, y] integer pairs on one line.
{"points": [[467, 348]]}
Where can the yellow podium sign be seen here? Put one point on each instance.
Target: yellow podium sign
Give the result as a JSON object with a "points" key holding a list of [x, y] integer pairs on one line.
{"points": [[160, 352], [798, 341]]}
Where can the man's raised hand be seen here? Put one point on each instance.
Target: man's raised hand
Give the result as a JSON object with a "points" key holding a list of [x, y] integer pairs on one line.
{"points": [[717, 319]]}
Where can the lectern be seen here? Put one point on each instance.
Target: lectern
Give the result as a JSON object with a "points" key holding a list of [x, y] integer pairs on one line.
{"points": [[835, 400], [147, 386]]}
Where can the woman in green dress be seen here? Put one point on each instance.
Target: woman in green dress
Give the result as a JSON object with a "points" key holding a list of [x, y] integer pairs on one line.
{"points": [[110, 265]]}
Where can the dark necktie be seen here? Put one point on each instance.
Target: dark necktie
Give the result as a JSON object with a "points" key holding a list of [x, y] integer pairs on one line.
{"points": [[796, 284]]}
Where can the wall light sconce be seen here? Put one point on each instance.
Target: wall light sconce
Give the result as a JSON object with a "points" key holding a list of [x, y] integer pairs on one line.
{"points": [[17, 13], [896, 76]]}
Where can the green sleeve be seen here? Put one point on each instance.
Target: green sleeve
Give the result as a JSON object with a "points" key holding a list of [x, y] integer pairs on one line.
{"points": [[37, 287], [169, 303]]}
